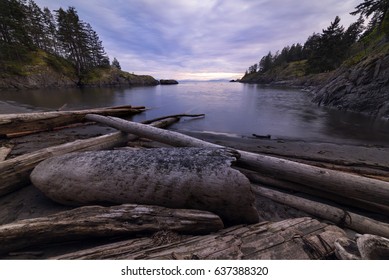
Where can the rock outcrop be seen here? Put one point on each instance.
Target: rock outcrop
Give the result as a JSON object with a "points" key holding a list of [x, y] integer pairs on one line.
{"points": [[362, 88], [40, 77], [168, 82]]}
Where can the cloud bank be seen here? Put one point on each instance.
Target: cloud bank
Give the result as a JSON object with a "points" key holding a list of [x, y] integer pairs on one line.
{"points": [[202, 40]]}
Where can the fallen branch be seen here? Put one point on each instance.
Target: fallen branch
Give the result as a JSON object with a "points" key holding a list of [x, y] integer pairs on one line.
{"points": [[336, 215], [175, 116], [97, 221], [348, 185]]}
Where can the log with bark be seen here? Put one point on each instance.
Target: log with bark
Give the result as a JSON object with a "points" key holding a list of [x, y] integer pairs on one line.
{"points": [[102, 222], [336, 215], [33, 122], [15, 172], [300, 238], [195, 178], [348, 185]]}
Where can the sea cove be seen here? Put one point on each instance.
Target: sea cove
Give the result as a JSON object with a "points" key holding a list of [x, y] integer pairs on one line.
{"points": [[230, 108]]}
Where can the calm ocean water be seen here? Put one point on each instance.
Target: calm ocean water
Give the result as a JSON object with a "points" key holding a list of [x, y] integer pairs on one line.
{"points": [[231, 108]]}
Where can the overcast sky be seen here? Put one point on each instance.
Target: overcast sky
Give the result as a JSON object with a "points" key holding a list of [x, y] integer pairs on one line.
{"points": [[202, 39]]}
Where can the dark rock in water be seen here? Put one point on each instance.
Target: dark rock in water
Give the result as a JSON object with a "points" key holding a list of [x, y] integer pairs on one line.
{"points": [[168, 82], [194, 178]]}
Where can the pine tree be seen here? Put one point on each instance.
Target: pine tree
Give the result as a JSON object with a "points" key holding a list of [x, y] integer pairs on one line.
{"points": [[116, 64], [378, 9]]}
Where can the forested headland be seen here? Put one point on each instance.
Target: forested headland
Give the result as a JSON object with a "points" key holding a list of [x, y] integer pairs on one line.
{"points": [[346, 68], [43, 48]]}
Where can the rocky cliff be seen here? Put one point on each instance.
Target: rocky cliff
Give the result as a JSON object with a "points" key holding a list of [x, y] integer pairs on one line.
{"points": [[363, 87], [44, 70]]}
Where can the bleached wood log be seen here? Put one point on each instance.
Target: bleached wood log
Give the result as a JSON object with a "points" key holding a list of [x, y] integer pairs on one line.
{"points": [[301, 238], [14, 123], [336, 215], [98, 221], [15, 172], [343, 183]]}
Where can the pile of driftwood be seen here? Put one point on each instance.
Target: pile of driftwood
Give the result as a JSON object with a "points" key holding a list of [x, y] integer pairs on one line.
{"points": [[156, 200]]}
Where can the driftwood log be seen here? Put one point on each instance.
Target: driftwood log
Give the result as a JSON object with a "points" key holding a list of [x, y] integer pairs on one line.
{"points": [[195, 178], [97, 221], [256, 177], [15, 172], [348, 185], [366, 247], [4, 151], [336, 215], [15, 123], [301, 238]]}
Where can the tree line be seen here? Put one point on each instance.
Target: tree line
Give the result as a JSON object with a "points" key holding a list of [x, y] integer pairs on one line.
{"points": [[327, 50], [25, 27]]}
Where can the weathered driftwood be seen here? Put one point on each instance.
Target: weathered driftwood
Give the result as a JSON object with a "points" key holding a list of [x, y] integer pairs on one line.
{"points": [[349, 185], [256, 177], [174, 116], [336, 215], [367, 247], [196, 178], [97, 221], [13, 123], [301, 238], [4, 151], [15, 172]]}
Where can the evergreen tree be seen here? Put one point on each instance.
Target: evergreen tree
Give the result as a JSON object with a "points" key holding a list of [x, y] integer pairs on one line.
{"points": [[116, 64], [266, 63], [377, 9]]}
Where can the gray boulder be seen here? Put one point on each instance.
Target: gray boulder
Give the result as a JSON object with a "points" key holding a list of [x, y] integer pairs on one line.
{"points": [[194, 178]]}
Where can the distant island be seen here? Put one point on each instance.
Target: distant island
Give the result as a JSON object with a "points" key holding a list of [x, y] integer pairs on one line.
{"points": [[344, 68], [39, 49]]}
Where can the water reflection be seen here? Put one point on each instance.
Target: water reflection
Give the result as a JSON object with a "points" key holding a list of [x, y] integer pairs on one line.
{"points": [[229, 107]]}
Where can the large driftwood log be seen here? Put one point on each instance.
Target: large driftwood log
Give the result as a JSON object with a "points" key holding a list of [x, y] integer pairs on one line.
{"points": [[196, 178], [15, 172], [97, 221], [336, 215], [301, 238], [348, 185], [14, 123], [256, 177]]}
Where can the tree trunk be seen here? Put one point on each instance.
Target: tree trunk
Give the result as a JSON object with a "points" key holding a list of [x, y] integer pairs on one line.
{"points": [[15, 172], [97, 221], [301, 238], [336, 215], [15, 123]]}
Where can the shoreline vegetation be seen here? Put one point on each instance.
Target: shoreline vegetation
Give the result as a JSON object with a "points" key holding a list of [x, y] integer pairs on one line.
{"points": [[343, 68]]}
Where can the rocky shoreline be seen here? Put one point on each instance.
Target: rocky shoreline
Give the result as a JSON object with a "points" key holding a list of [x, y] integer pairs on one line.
{"points": [[361, 87]]}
